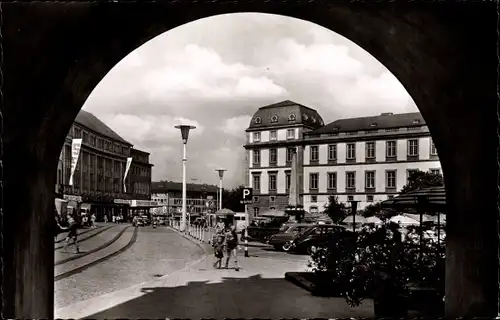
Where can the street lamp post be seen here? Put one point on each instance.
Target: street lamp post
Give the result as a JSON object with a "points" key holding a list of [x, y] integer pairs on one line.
{"points": [[221, 175], [185, 134], [354, 210]]}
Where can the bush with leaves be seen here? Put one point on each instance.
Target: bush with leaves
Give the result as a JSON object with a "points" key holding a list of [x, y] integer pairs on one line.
{"points": [[375, 261]]}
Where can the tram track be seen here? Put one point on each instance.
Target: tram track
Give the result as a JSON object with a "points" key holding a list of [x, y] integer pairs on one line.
{"points": [[80, 234], [99, 231], [103, 246], [100, 260]]}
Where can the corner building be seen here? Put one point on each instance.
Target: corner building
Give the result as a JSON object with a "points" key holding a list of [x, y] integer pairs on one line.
{"points": [[98, 184], [367, 159]]}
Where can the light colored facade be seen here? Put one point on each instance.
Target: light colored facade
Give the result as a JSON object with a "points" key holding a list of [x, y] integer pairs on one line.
{"points": [[364, 159], [200, 197]]}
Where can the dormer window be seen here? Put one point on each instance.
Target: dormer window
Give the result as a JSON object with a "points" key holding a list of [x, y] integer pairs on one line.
{"points": [[313, 119], [305, 116], [274, 118], [373, 125], [321, 122], [416, 121], [258, 120], [291, 117]]}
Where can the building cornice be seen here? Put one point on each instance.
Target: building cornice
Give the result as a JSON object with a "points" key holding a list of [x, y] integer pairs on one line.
{"points": [[281, 126], [357, 193]]}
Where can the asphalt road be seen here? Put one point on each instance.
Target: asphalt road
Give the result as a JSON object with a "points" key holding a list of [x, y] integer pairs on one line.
{"points": [[157, 252], [256, 249]]}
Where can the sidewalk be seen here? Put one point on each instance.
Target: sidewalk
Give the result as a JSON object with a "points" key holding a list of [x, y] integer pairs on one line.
{"points": [[258, 290]]}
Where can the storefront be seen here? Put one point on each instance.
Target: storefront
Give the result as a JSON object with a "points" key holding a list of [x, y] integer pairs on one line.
{"points": [[142, 207], [74, 203]]}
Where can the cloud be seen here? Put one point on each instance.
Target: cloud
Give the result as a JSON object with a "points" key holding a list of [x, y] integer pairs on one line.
{"points": [[233, 126], [216, 72]]}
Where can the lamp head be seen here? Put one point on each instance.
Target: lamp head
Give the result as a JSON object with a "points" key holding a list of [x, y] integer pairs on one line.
{"points": [[185, 131], [221, 172]]}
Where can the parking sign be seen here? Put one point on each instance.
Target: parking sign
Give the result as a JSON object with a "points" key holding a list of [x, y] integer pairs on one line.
{"points": [[247, 196]]}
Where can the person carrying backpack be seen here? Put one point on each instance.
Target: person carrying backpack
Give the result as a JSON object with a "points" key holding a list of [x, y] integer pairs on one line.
{"points": [[231, 245]]}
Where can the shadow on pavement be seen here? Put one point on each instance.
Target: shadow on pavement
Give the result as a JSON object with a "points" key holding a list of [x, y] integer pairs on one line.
{"points": [[252, 297]]}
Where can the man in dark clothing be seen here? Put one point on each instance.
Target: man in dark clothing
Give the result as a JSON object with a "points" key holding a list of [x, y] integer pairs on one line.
{"points": [[231, 245], [72, 234]]}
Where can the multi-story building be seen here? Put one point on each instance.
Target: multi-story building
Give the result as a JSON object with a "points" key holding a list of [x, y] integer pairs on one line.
{"points": [[364, 159], [98, 184], [200, 197], [140, 175], [277, 131]]}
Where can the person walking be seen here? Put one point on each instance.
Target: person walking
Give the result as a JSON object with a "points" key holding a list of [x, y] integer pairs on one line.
{"points": [[231, 244], [72, 234], [218, 251]]}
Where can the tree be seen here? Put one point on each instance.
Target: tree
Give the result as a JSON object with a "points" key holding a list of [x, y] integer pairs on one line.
{"points": [[231, 199], [335, 209], [422, 179]]}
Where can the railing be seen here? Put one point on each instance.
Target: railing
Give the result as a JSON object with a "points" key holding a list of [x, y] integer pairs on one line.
{"points": [[204, 234]]}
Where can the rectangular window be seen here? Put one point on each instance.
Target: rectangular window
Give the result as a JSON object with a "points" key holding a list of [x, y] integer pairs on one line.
{"points": [[272, 199], [370, 179], [433, 149], [256, 157], [256, 136], [314, 198], [273, 156], [255, 211], [290, 134], [313, 181], [288, 180], [314, 156], [413, 147], [369, 198], [350, 198], [255, 199], [370, 150], [272, 182], [390, 181], [351, 151], [85, 137], [78, 133], [332, 152], [273, 135], [390, 197], [332, 180], [391, 149], [289, 155], [350, 180]]}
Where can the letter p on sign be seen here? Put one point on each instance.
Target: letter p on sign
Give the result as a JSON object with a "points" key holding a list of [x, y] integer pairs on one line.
{"points": [[247, 196]]}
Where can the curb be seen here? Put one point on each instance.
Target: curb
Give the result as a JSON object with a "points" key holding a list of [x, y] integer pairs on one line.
{"points": [[297, 279]]}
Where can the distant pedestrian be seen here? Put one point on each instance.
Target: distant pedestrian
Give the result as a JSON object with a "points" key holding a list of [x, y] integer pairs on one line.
{"points": [[231, 242], [106, 218], [218, 251], [92, 220], [72, 234]]}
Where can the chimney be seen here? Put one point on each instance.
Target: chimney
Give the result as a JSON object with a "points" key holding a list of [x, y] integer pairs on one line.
{"points": [[387, 114]]}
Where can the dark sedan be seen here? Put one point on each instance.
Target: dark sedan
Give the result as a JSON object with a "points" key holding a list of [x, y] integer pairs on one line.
{"points": [[313, 237], [286, 234]]}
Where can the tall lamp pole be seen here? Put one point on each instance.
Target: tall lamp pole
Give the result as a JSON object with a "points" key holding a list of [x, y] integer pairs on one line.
{"points": [[185, 134], [354, 209], [221, 175]]}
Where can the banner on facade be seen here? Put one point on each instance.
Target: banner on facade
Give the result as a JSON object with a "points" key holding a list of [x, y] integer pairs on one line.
{"points": [[129, 161], [76, 145]]}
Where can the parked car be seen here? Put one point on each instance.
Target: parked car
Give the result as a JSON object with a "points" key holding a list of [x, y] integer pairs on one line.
{"points": [[286, 234], [312, 237]]}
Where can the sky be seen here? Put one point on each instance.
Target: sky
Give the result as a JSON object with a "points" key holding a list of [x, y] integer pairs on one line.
{"points": [[214, 73]]}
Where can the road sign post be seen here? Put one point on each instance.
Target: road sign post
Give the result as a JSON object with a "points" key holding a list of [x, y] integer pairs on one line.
{"points": [[247, 198]]}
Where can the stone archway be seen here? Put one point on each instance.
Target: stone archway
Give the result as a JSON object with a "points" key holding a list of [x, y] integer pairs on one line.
{"points": [[56, 53]]}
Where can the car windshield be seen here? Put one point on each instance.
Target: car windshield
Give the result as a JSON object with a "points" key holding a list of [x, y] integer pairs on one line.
{"points": [[284, 228]]}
